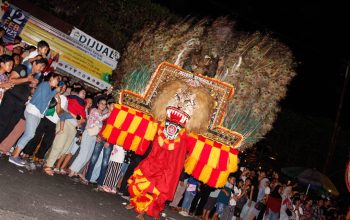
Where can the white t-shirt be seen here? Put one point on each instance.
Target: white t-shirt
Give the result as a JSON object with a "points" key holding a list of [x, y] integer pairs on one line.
{"points": [[32, 109], [64, 104], [31, 55], [296, 214], [118, 154], [215, 193], [236, 192]]}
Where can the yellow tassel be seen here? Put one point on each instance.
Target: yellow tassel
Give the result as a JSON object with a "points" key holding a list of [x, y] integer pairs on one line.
{"points": [[134, 124], [197, 149], [190, 165], [205, 174], [121, 138], [233, 163], [119, 120], [222, 179], [135, 143], [151, 130], [214, 157], [107, 131]]}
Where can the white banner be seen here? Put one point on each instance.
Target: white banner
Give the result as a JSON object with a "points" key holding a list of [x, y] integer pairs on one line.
{"points": [[66, 67], [105, 53]]}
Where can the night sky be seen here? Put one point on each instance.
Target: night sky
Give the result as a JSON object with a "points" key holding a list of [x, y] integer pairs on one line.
{"points": [[316, 33]]}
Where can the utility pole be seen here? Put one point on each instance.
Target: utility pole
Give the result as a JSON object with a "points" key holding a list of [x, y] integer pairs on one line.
{"points": [[336, 128]]}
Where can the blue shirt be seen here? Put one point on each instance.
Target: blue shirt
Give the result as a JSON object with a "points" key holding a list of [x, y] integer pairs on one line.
{"points": [[42, 96], [222, 197]]}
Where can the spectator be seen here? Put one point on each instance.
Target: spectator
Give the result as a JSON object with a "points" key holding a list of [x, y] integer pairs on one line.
{"points": [[210, 204], [273, 204], [6, 65], [46, 130], [101, 145], [13, 105], [181, 188], [297, 212], [42, 50], [224, 197], [35, 110], [317, 210], [2, 34], [113, 170], [63, 140], [88, 141], [190, 192]]}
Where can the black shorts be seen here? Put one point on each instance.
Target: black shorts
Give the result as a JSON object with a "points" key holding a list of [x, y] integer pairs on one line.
{"points": [[210, 203], [237, 212]]}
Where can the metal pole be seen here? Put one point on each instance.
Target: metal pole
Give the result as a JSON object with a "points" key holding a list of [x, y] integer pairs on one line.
{"points": [[336, 128]]}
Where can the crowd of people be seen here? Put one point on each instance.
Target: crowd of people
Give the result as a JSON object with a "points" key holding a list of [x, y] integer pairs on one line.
{"points": [[47, 122], [251, 194]]}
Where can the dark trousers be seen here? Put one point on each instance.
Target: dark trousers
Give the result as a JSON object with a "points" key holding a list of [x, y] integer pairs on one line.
{"points": [[10, 114], [134, 161], [45, 133], [202, 196]]}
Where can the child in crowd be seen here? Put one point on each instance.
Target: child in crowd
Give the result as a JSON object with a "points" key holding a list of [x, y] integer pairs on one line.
{"points": [[113, 171], [76, 109], [230, 211], [6, 64], [41, 52], [224, 197], [210, 204], [16, 59]]}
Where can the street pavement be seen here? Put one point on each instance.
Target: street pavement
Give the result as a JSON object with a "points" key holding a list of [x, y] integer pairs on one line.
{"points": [[32, 195]]}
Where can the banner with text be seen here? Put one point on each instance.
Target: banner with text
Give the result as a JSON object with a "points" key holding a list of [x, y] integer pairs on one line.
{"points": [[71, 53], [13, 21], [104, 53]]}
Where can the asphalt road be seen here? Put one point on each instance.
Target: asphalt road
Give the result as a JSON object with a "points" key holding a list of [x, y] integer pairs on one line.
{"points": [[32, 195]]}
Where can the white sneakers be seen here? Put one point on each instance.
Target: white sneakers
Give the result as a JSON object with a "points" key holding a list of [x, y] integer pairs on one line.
{"points": [[184, 213]]}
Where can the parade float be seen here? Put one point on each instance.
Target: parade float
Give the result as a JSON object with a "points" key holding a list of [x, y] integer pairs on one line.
{"points": [[186, 110]]}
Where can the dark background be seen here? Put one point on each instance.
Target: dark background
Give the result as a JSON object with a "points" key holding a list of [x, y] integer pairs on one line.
{"points": [[317, 33]]}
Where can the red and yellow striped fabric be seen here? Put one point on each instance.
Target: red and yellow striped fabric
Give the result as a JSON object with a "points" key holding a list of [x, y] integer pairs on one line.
{"points": [[130, 128], [210, 161], [143, 194]]}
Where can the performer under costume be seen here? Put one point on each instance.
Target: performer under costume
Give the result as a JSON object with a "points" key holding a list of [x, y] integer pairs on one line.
{"points": [[181, 114]]}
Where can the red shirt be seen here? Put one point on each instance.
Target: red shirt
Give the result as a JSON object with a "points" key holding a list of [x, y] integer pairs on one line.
{"points": [[75, 107], [274, 203]]}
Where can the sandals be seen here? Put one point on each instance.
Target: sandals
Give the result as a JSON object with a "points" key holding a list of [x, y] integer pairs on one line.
{"points": [[48, 171], [56, 170], [63, 172], [129, 207], [140, 216], [84, 181], [98, 189]]}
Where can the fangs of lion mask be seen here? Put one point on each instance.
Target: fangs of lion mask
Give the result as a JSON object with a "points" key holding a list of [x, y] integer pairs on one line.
{"points": [[182, 105]]}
